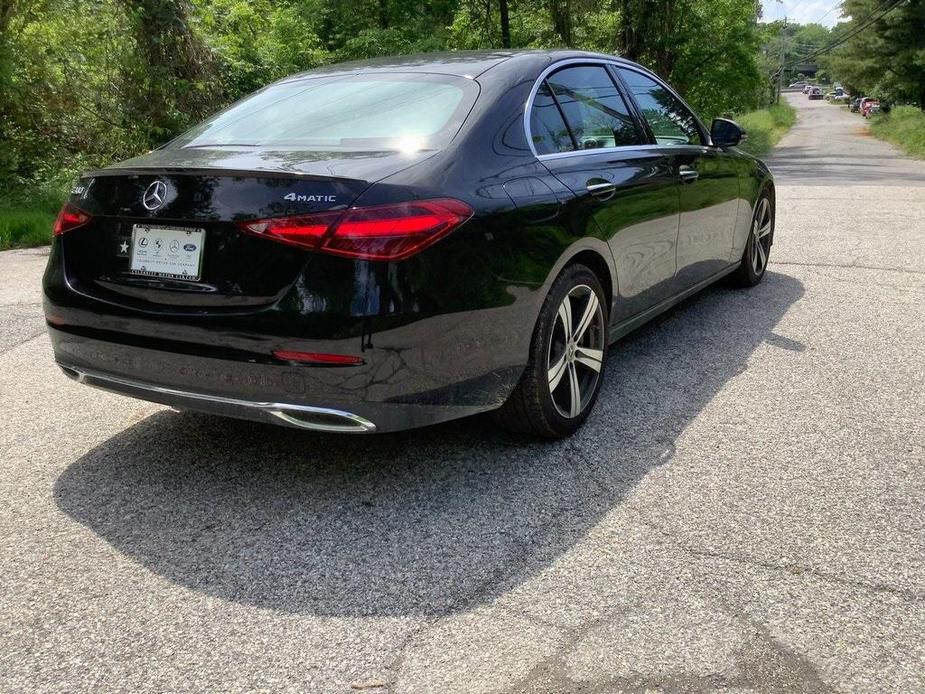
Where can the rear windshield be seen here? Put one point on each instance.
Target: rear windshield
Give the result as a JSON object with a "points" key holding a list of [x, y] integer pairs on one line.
{"points": [[393, 111]]}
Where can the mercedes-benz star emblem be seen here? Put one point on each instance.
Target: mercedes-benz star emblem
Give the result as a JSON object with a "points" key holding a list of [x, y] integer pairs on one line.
{"points": [[155, 195]]}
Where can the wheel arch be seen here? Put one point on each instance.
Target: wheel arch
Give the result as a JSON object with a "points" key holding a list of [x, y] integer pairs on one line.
{"points": [[596, 256], [595, 262]]}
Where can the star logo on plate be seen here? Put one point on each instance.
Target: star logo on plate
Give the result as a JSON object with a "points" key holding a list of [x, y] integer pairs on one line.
{"points": [[123, 247]]}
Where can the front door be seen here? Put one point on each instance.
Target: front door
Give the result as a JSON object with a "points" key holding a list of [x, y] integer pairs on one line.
{"points": [[708, 181]]}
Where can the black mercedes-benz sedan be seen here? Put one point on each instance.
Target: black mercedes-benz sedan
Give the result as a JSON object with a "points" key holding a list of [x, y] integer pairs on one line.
{"points": [[382, 245]]}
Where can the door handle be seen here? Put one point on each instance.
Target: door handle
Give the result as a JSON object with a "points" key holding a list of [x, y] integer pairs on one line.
{"points": [[603, 190], [687, 174]]}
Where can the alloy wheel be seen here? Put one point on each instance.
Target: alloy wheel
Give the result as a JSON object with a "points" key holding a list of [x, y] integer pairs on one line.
{"points": [[760, 238], [576, 351]]}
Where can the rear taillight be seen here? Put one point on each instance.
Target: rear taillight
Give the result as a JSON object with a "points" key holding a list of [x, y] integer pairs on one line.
{"points": [[381, 232], [70, 217]]}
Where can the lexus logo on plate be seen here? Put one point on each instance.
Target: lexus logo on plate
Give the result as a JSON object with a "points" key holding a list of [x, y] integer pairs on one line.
{"points": [[155, 195]]}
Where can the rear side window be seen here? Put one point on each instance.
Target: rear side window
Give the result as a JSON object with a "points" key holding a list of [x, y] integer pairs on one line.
{"points": [[547, 128], [670, 121], [385, 111], [580, 108], [594, 110]]}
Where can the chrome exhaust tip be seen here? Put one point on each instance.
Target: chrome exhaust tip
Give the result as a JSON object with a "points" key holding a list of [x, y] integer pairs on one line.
{"points": [[323, 419]]}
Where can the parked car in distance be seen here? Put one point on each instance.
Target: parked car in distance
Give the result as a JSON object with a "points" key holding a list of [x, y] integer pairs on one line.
{"points": [[855, 105], [862, 103], [815, 93], [392, 243], [840, 99], [806, 88], [871, 107], [797, 85]]}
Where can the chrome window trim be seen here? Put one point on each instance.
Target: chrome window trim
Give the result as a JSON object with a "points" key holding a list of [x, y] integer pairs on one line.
{"points": [[612, 150], [601, 150]]}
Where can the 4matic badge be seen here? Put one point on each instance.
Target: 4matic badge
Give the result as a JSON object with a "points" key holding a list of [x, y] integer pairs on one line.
{"points": [[292, 197]]}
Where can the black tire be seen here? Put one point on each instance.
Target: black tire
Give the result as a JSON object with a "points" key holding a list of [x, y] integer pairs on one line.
{"points": [[752, 269], [531, 408]]}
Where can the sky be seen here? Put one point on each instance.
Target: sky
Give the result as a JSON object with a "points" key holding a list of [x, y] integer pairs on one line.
{"points": [[802, 11]]}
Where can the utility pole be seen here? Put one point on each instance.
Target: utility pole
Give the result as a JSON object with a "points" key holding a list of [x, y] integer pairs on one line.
{"points": [[780, 74]]}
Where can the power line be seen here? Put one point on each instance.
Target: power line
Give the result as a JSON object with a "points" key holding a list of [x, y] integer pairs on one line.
{"points": [[890, 5], [884, 8], [833, 8]]}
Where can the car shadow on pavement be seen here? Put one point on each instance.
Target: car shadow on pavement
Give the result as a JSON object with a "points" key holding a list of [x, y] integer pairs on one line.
{"points": [[425, 522]]}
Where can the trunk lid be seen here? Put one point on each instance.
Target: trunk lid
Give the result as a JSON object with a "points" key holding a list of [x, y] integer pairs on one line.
{"points": [[205, 192]]}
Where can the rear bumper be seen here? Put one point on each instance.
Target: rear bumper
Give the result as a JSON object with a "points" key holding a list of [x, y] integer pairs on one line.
{"points": [[440, 336], [331, 399], [300, 416]]}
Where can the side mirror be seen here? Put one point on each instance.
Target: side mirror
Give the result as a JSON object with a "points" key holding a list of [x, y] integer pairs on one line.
{"points": [[726, 133]]}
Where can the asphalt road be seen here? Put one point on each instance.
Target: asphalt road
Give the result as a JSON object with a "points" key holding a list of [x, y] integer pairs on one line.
{"points": [[744, 510]]}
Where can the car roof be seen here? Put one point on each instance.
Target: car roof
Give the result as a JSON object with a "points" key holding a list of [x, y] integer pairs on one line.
{"points": [[469, 64]]}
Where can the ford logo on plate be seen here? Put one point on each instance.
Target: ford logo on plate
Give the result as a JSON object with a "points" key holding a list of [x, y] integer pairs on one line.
{"points": [[190, 247]]}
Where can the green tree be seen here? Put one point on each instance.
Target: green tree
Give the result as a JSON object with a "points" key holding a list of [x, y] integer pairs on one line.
{"points": [[174, 72], [87, 82], [886, 56]]}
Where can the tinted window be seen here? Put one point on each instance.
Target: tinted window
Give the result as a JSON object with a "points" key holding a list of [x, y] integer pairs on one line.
{"points": [[344, 112], [670, 121], [593, 108], [547, 128]]}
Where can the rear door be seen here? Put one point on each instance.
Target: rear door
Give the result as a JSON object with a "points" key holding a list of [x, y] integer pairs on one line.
{"points": [[587, 136], [708, 180]]}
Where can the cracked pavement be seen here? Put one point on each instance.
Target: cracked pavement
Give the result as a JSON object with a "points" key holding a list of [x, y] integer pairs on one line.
{"points": [[743, 511]]}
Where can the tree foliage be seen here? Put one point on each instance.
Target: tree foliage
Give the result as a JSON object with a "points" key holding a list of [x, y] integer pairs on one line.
{"points": [[86, 82], [887, 58]]}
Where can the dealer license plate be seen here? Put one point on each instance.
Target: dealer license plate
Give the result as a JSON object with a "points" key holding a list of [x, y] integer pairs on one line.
{"points": [[159, 251]]}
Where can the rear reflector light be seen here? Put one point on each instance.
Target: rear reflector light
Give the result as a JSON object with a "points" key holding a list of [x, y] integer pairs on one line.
{"points": [[381, 232], [70, 217], [317, 357]]}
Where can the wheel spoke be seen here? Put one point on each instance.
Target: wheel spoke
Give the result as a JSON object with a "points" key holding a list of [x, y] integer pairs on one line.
{"points": [[587, 316], [763, 256], [765, 230], [556, 372], [565, 315], [764, 213], [591, 358], [574, 390]]}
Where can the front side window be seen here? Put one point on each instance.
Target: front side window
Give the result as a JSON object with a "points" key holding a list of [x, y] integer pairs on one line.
{"points": [[361, 112], [670, 121]]}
